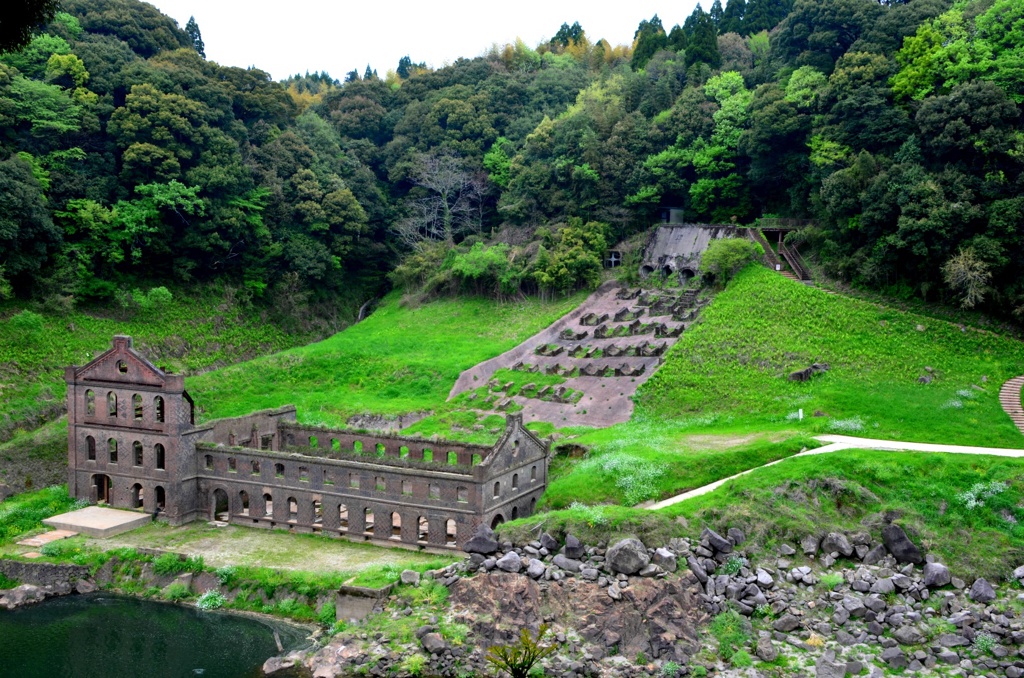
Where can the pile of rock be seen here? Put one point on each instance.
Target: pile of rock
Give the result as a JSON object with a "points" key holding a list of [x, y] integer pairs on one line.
{"points": [[28, 594]]}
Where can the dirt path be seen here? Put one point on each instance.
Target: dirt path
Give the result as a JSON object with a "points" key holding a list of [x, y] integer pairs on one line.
{"points": [[836, 443]]}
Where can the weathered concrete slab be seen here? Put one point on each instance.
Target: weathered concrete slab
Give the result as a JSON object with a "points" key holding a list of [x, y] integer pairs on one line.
{"points": [[47, 537], [99, 521]]}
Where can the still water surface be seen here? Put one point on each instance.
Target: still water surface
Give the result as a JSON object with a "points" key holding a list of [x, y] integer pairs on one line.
{"points": [[100, 635]]}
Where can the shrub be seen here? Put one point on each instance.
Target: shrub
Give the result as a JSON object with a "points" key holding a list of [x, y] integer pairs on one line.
{"points": [[984, 642], [733, 565], [979, 492], [26, 323], [831, 580], [670, 669], [732, 632], [726, 257], [176, 591], [211, 600], [517, 659], [172, 563], [414, 664], [328, 614], [6, 583]]}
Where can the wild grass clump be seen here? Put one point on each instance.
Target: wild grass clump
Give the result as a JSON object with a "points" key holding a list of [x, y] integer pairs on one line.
{"points": [[731, 631], [172, 563], [211, 600], [939, 498], [176, 592], [24, 512], [615, 522], [7, 582]]}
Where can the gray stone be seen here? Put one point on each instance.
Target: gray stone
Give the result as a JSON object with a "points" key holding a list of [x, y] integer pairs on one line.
{"points": [[84, 586], [614, 592], [828, 667], [573, 548], [736, 536], [433, 643], [982, 591], [952, 640], [510, 562], [628, 556], [786, 623], [697, 569], [766, 651], [482, 542], [836, 542], [548, 542], [1019, 573], [589, 573], [894, 657], [900, 546], [665, 559], [567, 564], [936, 574], [410, 577], [948, 657], [875, 555], [717, 541], [764, 580], [845, 639], [809, 544], [883, 586], [908, 635], [787, 550], [535, 569]]}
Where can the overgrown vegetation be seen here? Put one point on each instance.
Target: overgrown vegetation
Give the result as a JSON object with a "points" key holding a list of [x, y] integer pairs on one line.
{"points": [[856, 490], [25, 512]]}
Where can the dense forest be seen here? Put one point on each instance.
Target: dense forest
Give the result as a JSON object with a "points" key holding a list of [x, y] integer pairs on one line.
{"points": [[129, 161]]}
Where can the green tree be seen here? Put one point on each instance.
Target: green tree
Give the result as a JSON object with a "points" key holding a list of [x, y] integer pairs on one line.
{"points": [[192, 29], [26, 229], [21, 17], [726, 257], [732, 17], [702, 46], [647, 40]]}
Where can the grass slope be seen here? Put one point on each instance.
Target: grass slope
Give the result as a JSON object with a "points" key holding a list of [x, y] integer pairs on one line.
{"points": [[396, 361], [928, 494], [735, 363], [187, 335]]}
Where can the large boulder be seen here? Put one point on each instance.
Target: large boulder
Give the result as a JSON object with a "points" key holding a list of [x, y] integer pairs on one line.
{"points": [[717, 541], [809, 544], [548, 542], [573, 548], [567, 564], [836, 542], [482, 542], [982, 591], [628, 556], [433, 643], [510, 562], [900, 546], [665, 559], [936, 574]]}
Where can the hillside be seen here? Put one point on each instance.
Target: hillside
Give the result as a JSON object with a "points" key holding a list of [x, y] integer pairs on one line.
{"points": [[722, 400]]}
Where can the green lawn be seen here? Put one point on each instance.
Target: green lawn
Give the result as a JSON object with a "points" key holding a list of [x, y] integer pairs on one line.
{"points": [[396, 361], [928, 493]]}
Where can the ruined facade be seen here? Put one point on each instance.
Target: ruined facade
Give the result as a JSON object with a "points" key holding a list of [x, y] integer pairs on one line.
{"points": [[133, 443]]}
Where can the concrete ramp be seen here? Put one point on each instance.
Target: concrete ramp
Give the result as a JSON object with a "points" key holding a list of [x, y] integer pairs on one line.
{"points": [[99, 521]]}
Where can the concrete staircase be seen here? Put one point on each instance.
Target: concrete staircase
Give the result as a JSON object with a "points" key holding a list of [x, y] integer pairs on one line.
{"points": [[1009, 398]]}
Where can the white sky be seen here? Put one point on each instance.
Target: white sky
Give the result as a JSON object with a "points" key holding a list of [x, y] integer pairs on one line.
{"points": [[296, 36]]}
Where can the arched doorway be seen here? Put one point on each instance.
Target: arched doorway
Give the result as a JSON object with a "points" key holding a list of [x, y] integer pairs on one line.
{"points": [[220, 506], [515, 512], [137, 498], [646, 271], [396, 526], [102, 484], [451, 533], [497, 520], [161, 498]]}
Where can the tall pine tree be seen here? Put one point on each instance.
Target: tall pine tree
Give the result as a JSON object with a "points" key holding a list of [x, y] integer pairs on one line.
{"points": [[192, 29], [703, 42], [648, 39], [732, 17]]}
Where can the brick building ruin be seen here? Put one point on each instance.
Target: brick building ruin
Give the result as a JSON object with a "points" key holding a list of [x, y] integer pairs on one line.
{"points": [[133, 443]]}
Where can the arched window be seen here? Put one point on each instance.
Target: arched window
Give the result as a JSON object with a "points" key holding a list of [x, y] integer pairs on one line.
{"points": [[279, 470], [314, 442], [515, 481], [112, 448], [357, 446], [161, 462], [422, 529], [497, 489], [268, 505], [158, 409], [381, 450], [396, 526], [435, 491], [293, 509], [335, 445], [451, 533], [304, 474], [477, 458], [463, 494], [515, 512], [244, 497], [111, 404], [137, 406], [90, 403], [403, 452], [428, 454], [453, 458], [90, 448], [122, 367], [209, 462], [161, 498], [368, 521], [406, 487], [318, 512], [381, 484], [136, 496], [137, 452], [533, 474], [255, 467], [232, 465]]}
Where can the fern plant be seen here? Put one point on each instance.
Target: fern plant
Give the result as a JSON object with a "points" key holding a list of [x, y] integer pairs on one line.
{"points": [[517, 659]]}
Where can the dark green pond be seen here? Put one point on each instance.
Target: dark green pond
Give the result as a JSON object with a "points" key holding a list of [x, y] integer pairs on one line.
{"points": [[105, 636]]}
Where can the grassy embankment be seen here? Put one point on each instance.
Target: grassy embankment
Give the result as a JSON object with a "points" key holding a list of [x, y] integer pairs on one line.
{"points": [[966, 509], [722, 402], [398, 360], [189, 335]]}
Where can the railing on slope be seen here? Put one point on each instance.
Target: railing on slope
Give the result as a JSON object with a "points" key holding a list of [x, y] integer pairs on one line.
{"points": [[771, 260], [795, 261]]}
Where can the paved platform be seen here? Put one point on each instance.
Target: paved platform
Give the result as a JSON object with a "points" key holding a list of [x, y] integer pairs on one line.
{"points": [[47, 537], [99, 521]]}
